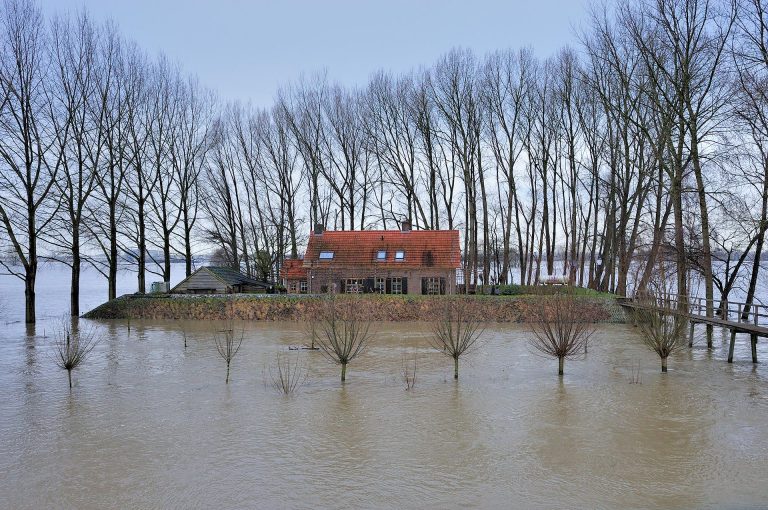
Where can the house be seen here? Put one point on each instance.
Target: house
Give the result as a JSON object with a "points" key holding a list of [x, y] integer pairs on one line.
{"points": [[401, 261], [220, 280]]}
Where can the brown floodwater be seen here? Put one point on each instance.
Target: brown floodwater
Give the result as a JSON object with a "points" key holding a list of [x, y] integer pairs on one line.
{"points": [[150, 424]]}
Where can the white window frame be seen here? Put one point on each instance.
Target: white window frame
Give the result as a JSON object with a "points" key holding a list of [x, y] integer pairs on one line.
{"points": [[380, 285], [381, 255], [433, 286], [353, 286], [396, 285], [303, 286], [399, 255], [325, 255]]}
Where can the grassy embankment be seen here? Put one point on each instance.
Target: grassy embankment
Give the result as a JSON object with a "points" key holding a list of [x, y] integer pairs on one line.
{"points": [[510, 306]]}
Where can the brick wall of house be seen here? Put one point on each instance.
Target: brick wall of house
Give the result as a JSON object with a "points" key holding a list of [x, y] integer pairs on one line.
{"points": [[334, 279]]}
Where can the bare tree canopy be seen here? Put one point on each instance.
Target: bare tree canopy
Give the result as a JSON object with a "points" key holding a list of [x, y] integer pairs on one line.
{"points": [[561, 325], [341, 335], [644, 145], [661, 328], [457, 331], [73, 345]]}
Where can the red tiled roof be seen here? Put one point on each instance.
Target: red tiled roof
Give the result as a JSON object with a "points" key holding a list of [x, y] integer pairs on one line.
{"points": [[423, 248], [293, 269]]}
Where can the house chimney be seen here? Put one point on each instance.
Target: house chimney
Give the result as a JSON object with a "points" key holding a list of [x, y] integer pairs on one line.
{"points": [[405, 226], [319, 229]]}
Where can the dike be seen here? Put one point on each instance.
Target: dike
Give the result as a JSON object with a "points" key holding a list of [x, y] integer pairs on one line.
{"points": [[370, 307]]}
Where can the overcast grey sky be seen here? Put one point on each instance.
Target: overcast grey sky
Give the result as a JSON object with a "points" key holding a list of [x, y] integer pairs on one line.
{"points": [[246, 49]]}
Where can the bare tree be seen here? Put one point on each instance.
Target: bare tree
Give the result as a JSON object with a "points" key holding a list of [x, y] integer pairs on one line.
{"points": [[660, 327], [74, 343], [562, 325], [342, 335], [79, 137], [409, 373], [312, 331], [456, 332], [27, 177], [287, 374], [228, 343], [106, 210]]}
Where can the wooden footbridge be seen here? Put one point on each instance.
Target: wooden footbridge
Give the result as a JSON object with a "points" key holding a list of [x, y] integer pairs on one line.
{"points": [[737, 317]]}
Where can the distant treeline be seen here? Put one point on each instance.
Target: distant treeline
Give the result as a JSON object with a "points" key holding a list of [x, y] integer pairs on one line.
{"points": [[638, 155]]}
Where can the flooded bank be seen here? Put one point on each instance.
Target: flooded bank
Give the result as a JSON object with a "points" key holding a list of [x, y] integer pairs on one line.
{"points": [[151, 424]]}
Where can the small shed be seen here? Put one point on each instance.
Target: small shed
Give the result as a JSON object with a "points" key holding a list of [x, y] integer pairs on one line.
{"points": [[220, 280]]}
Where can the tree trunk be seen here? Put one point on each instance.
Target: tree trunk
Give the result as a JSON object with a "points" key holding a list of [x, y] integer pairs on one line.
{"points": [[664, 364], [74, 290], [455, 368], [560, 365], [29, 295], [227, 380], [167, 257], [758, 245], [142, 251], [69, 376], [343, 372], [112, 278]]}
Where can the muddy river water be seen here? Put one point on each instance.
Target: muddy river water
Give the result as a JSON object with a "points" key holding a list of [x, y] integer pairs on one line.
{"points": [[150, 424]]}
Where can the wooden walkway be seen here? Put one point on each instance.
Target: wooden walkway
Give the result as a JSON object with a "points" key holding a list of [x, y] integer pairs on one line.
{"points": [[733, 316]]}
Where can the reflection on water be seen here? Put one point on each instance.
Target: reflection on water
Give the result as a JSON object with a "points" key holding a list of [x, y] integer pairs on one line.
{"points": [[150, 424]]}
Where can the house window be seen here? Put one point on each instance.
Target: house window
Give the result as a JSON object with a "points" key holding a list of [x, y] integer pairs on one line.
{"points": [[380, 286], [326, 255], [432, 286], [397, 285], [292, 287], [399, 255], [381, 255], [353, 286], [303, 286]]}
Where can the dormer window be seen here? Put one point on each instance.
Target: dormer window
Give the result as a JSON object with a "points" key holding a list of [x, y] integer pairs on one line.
{"points": [[326, 255], [399, 256], [381, 255]]}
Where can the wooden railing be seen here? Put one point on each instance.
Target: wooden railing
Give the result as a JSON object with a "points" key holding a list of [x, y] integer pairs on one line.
{"points": [[732, 311]]}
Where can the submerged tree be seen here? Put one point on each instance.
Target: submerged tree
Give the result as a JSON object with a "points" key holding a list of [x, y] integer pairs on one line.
{"points": [[312, 331], [228, 344], [287, 374], [341, 335], [661, 328], [561, 326], [73, 344], [456, 332], [409, 373]]}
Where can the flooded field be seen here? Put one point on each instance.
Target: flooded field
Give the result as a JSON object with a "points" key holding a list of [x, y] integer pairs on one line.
{"points": [[150, 424]]}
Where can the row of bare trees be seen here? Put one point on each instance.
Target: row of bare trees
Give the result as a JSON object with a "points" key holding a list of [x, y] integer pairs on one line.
{"points": [[101, 151], [560, 324], [645, 145]]}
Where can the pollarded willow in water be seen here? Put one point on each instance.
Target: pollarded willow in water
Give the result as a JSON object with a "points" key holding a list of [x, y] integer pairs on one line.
{"points": [[341, 335], [73, 345], [457, 331], [661, 327], [562, 325]]}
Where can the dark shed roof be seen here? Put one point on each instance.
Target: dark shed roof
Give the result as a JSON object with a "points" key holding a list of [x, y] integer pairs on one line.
{"points": [[232, 277]]}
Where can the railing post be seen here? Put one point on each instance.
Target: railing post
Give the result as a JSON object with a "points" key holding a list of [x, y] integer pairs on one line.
{"points": [[730, 347], [690, 336], [738, 317], [753, 341]]}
